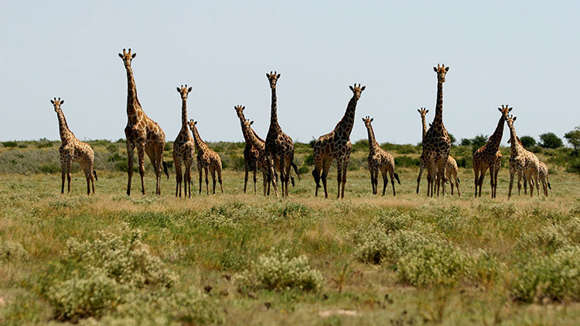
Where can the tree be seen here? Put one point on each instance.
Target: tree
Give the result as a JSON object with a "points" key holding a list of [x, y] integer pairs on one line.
{"points": [[465, 141], [477, 142], [573, 138], [452, 138], [528, 141], [550, 140]]}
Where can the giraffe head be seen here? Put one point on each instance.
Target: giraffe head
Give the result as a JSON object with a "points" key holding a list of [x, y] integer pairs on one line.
{"points": [[57, 102], [357, 90], [183, 91], [505, 110], [192, 124], [127, 57], [423, 112], [273, 78], [367, 120], [441, 71], [510, 121], [248, 124], [240, 111]]}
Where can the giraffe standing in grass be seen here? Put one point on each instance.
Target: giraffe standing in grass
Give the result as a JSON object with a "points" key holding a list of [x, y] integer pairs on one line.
{"points": [[265, 162], [436, 143], [488, 156], [279, 146], [183, 148], [379, 160], [336, 145], [141, 133], [543, 176], [251, 152], [207, 160], [522, 161], [73, 150]]}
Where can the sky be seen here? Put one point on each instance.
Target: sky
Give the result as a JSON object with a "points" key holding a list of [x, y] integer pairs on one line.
{"points": [[522, 53]]}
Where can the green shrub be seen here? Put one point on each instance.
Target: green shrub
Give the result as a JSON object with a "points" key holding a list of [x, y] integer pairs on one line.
{"points": [[49, 168], [405, 161], [277, 271], [10, 144], [553, 278], [547, 240], [11, 250], [484, 268]]}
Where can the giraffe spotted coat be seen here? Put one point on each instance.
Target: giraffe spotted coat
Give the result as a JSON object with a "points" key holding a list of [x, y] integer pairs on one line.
{"points": [[379, 160], [207, 160]]}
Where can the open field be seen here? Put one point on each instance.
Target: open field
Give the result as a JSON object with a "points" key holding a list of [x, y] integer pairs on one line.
{"points": [[230, 259]]}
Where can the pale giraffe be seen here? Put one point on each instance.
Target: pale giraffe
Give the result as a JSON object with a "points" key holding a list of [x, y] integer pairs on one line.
{"points": [[436, 143], [183, 148], [487, 155], [73, 150], [251, 153], [521, 160], [336, 145], [543, 177], [141, 133], [265, 162], [279, 146], [379, 160], [451, 174], [207, 160]]}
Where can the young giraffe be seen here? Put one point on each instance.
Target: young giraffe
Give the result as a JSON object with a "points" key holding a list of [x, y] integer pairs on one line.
{"points": [[264, 162], [73, 150], [279, 146], [451, 169], [436, 144], [141, 132], [543, 176], [336, 145], [379, 159], [251, 152], [207, 160], [183, 148], [487, 155], [519, 174], [521, 161]]}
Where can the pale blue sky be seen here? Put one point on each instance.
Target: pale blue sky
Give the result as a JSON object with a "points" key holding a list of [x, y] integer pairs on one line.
{"points": [[522, 53]]}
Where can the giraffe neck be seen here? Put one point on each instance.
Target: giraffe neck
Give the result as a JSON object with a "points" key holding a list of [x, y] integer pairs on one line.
{"points": [[515, 144], [424, 123], [373, 145], [184, 113], [199, 143], [274, 110], [255, 140], [133, 104], [495, 138], [65, 133], [438, 121], [345, 124]]}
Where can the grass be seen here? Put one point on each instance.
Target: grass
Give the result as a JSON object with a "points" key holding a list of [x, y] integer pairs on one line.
{"points": [[442, 261]]}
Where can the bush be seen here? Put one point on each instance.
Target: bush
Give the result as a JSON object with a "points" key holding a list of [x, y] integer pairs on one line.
{"points": [[10, 250], [406, 161], [550, 140], [477, 142], [465, 142], [552, 278], [527, 141], [548, 240], [10, 144], [573, 138], [278, 271]]}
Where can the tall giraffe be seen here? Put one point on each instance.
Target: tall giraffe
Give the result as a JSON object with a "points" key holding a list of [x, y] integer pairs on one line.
{"points": [[251, 153], [265, 163], [336, 145], [436, 144], [183, 148], [379, 160], [279, 146], [207, 160], [486, 157], [522, 161], [73, 150], [141, 132]]}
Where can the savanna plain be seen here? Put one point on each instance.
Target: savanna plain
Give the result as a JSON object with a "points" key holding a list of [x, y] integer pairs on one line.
{"points": [[239, 259]]}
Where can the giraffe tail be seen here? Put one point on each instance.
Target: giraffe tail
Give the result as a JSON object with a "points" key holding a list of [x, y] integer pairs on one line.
{"points": [[295, 169], [397, 177], [95, 174], [458, 181], [549, 186], [316, 176], [165, 169]]}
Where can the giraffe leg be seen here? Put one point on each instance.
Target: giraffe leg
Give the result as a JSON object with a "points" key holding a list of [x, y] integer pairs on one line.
{"points": [[419, 177], [511, 184], [158, 167], [212, 171], [475, 180], [130, 150], [287, 169], [68, 173], [63, 175], [325, 169], [206, 170], [141, 157], [344, 171], [246, 167], [338, 175], [219, 175], [255, 180], [392, 175], [491, 179], [385, 181], [178, 176], [316, 173], [200, 169], [525, 183]]}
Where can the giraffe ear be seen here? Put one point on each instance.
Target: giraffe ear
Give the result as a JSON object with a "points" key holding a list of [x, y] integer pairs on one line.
{"points": [[62, 102], [178, 90], [120, 56], [515, 118], [510, 109], [189, 89], [446, 69], [426, 111], [135, 54], [363, 88], [52, 101], [435, 69], [352, 89], [251, 123], [372, 119]]}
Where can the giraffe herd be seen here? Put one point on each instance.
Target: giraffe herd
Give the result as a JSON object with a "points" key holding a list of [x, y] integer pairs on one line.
{"points": [[274, 156]]}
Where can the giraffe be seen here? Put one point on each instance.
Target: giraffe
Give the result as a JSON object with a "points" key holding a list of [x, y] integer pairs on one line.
{"points": [[73, 150], [336, 145], [379, 159], [436, 143], [207, 160], [543, 177], [279, 146], [451, 172], [183, 148], [141, 132], [521, 161], [264, 162], [251, 152], [487, 155], [520, 174]]}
